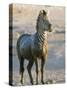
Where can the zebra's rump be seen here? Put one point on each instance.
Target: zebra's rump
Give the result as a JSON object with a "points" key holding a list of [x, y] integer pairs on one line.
{"points": [[24, 46]]}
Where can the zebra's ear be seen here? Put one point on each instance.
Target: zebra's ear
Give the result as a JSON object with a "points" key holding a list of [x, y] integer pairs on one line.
{"points": [[44, 12]]}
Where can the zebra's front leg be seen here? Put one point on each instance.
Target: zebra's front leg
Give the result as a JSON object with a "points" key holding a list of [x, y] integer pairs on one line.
{"points": [[36, 71], [29, 70], [42, 69]]}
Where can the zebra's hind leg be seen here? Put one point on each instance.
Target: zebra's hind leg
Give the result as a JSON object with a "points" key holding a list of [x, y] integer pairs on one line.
{"points": [[30, 64], [21, 69]]}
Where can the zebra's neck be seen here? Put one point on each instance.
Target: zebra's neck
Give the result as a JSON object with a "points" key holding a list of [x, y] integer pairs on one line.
{"points": [[41, 38]]}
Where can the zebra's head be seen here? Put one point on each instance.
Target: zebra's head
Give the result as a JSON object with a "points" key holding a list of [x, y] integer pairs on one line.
{"points": [[43, 22]]}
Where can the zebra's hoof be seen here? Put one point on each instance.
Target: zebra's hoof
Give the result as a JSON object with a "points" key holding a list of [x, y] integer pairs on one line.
{"points": [[21, 82], [32, 83], [42, 82]]}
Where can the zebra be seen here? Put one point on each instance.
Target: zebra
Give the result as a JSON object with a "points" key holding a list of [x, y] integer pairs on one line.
{"points": [[33, 47]]}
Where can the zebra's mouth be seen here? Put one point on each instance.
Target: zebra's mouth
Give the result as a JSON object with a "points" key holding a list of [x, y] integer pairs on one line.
{"points": [[50, 29]]}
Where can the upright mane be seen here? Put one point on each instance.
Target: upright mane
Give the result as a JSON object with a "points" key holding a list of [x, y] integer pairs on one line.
{"points": [[40, 18]]}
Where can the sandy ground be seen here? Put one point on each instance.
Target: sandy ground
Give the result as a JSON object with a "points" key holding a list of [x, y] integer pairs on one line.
{"points": [[57, 77]]}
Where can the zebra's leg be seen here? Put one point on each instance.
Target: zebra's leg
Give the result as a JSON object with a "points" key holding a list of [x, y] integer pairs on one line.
{"points": [[42, 69], [36, 71], [21, 69], [30, 64]]}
